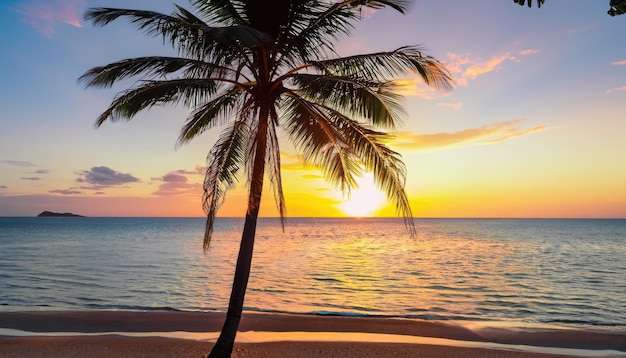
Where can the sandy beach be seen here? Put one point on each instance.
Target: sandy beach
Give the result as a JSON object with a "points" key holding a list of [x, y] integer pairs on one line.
{"points": [[191, 334]]}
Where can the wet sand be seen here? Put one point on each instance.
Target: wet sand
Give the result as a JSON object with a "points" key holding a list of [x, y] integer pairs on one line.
{"points": [[191, 334]]}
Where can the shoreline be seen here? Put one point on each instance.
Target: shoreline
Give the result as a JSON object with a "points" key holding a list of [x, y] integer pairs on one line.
{"points": [[69, 331]]}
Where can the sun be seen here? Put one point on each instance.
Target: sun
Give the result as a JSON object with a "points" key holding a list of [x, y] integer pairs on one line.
{"points": [[365, 199]]}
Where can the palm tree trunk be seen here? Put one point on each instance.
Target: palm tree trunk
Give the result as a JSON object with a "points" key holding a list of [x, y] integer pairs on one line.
{"points": [[224, 345]]}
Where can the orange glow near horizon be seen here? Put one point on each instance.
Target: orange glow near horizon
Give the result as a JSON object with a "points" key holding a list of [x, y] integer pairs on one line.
{"points": [[364, 200]]}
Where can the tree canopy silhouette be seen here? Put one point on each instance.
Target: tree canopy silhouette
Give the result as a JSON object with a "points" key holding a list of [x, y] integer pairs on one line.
{"points": [[616, 7]]}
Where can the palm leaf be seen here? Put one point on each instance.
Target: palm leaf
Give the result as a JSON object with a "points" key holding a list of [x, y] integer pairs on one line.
{"points": [[152, 67], [240, 36], [226, 12], [187, 33], [310, 33], [216, 112], [153, 23], [384, 65], [321, 144], [274, 172], [223, 165], [386, 164], [370, 100], [343, 148], [131, 102]]}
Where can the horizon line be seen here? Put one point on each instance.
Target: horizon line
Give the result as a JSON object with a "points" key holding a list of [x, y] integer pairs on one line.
{"points": [[336, 217]]}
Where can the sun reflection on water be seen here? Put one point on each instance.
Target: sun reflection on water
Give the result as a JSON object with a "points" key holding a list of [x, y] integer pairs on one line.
{"points": [[372, 267]]}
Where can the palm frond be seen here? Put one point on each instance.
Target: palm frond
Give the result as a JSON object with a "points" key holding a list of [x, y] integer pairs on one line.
{"points": [[143, 19], [251, 117], [274, 172], [320, 142], [311, 30], [399, 5], [336, 18], [309, 35], [151, 93], [229, 46], [187, 17], [225, 12], [241, 36], [374, 101], [216, 112], [152, 67], [385, 65], [172, 27], [223, 165], [387, 166], [360, 148], [186, 32]]}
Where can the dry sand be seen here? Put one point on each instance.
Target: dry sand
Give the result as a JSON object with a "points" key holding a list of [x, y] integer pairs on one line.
{"points": [[44, 337]]}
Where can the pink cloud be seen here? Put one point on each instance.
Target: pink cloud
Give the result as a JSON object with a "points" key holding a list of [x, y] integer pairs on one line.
{"points": [[492, 64], [528, 52], [457, 62], [619, 63], [618, 89], [46, 15], [416, 87], [176, 183], [465, 69]]}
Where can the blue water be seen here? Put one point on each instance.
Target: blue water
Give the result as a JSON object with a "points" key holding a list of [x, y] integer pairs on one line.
{"points": [[521, 271]]}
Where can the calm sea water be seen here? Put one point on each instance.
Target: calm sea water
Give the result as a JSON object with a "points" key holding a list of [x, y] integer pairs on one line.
{"points": [[528, 272]]}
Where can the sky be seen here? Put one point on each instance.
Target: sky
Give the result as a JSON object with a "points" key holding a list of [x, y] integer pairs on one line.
{"points": [[534, 127]]}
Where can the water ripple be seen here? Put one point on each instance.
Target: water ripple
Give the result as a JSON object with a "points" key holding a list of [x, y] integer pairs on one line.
{"points": [[567, 272]]}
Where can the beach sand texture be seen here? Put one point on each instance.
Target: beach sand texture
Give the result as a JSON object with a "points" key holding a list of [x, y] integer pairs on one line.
{"points": [[61, 334]]}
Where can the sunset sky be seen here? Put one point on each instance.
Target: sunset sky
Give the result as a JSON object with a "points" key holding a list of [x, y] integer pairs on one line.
{"points": [[535, 125]]}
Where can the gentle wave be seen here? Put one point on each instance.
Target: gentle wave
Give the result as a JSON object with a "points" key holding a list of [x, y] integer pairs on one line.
{"points": [[565, 272]]}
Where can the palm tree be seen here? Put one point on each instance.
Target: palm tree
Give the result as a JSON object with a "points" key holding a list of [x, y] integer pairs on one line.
{"points": [[253, 71]]}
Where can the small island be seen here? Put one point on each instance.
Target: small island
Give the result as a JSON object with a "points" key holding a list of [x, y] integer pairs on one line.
{"points": [[61, 215]]}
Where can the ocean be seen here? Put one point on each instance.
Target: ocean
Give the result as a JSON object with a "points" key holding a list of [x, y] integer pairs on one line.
{"points": [[522, 272]]}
